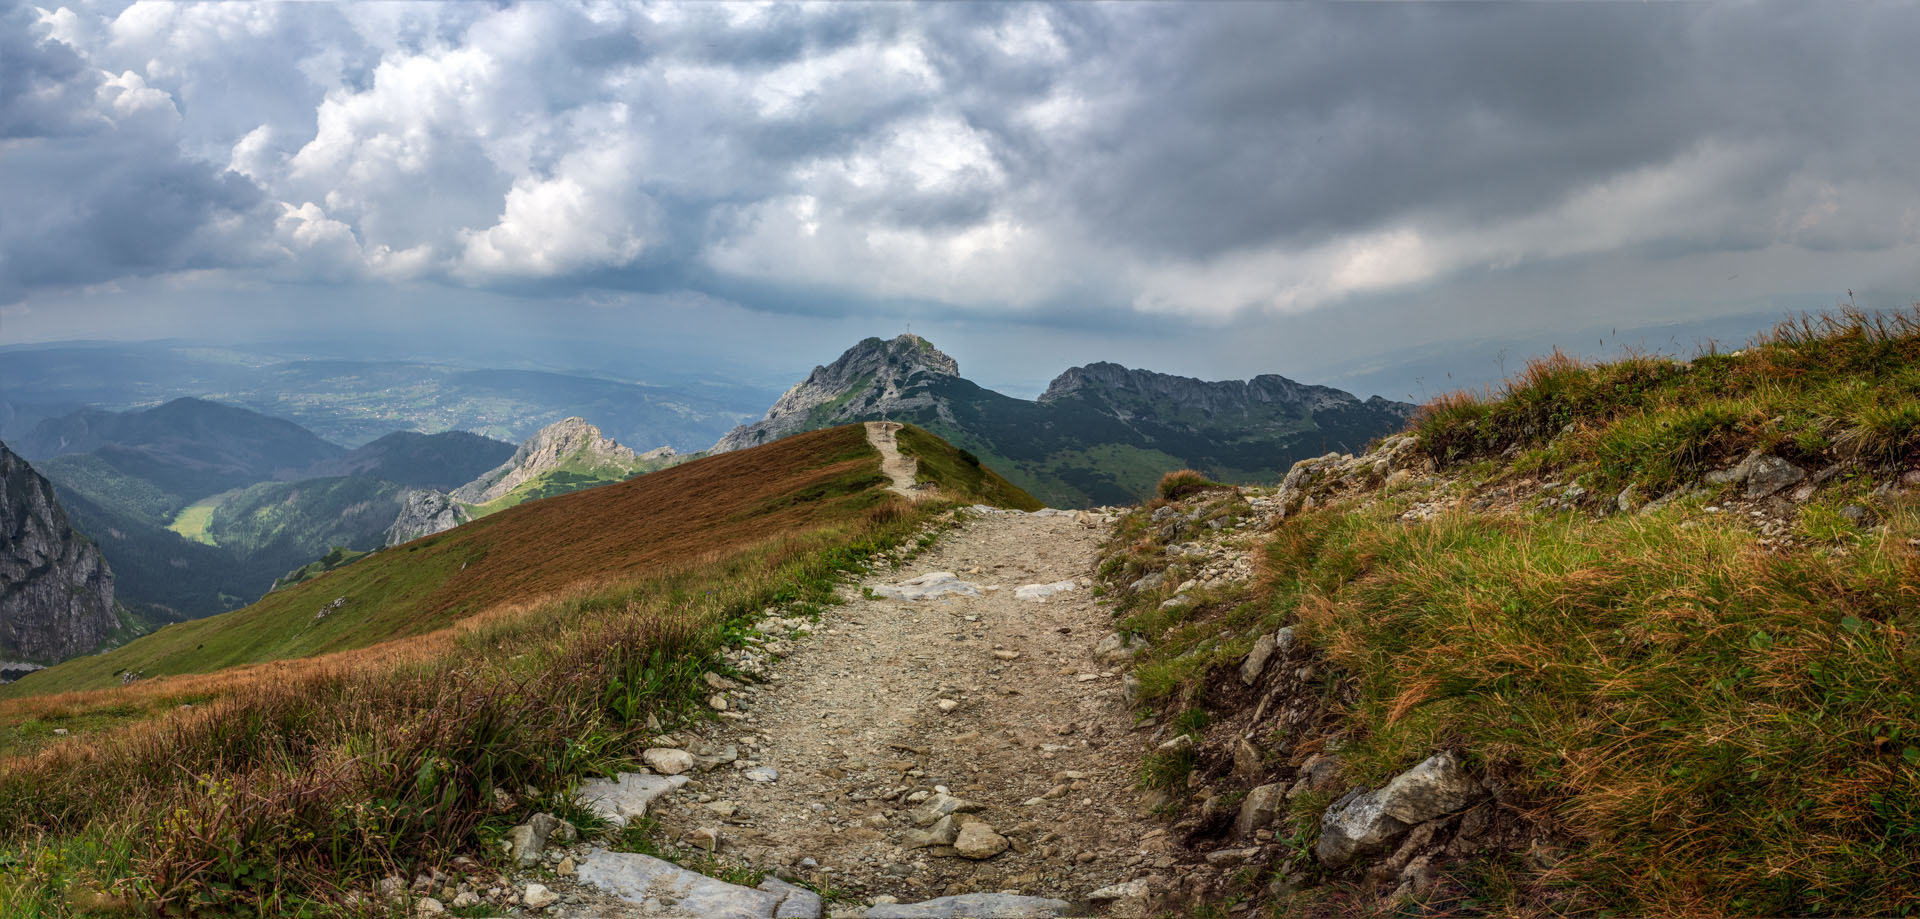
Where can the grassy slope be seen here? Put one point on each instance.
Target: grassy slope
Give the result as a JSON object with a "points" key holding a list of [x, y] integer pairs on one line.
{"points": [[602, 610], [961, 472], [574, 474], [517, 555], [524, 553], [1722, 726]]}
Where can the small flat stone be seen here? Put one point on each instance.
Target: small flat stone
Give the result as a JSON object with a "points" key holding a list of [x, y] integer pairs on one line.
{"points": [[627, 796], [973, 906]]}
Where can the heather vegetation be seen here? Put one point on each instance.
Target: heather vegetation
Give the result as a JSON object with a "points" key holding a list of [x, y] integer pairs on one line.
{"points": [[559, 629], [1703, 707]]}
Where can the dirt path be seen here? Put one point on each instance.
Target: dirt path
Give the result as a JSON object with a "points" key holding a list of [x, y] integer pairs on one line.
{"points": [[900, 469], [854, 723]]}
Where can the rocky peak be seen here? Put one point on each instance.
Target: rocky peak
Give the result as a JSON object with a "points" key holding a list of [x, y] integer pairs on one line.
{"points": [[567, 440], [56, 593], [567, 437], [871, 379]]}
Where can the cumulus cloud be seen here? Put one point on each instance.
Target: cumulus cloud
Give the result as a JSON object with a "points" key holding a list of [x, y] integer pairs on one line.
{"points": [[1133, 159]]}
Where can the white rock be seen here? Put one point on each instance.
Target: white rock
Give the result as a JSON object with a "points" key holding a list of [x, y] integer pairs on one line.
{"points": [[665, 889], [965, 906], [537, 896], [761, 774], [627, 796], [1040, 592], [928, 586], [1367, 821], [666, 760]]}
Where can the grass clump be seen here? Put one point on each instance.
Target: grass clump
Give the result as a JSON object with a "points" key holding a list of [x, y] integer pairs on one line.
{"points": [[1726, 731], [1842, 386], [1183, 482]]}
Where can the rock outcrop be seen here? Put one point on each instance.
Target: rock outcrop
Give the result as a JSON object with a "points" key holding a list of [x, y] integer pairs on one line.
{"points": [[56, 593], [571, 441], [424, 512], [872, 379]]}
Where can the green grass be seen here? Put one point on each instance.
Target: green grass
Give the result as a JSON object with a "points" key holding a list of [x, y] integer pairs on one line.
{"points": [[292, 785], [193, 520], [959, 471], [1719, 726], [1729, 731], [1842, 387]]}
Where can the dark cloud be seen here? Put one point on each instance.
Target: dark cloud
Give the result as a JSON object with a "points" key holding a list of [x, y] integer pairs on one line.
{"points": [[1143, 165]]}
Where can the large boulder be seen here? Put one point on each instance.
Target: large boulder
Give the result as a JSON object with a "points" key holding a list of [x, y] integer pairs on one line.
{"points": [[1364, 822]]}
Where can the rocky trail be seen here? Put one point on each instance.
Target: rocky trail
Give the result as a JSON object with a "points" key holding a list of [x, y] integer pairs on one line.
{"points": [[947, 742], [899, 469]]}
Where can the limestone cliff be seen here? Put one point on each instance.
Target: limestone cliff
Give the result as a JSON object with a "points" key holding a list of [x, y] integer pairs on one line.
{"points": [[56, 593]]}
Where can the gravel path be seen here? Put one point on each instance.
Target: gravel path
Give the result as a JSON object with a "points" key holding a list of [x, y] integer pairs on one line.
{"points": [[900, 469], [1038, 733]]}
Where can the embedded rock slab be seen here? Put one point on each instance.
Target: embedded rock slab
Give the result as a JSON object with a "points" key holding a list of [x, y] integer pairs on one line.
{"points": [[627, 796], [928, 586], [663, 889], [972, 906], [1040, 592], [1367, 821]]}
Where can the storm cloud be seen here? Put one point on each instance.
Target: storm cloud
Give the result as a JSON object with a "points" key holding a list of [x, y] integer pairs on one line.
{"points": [[1048, 163]]}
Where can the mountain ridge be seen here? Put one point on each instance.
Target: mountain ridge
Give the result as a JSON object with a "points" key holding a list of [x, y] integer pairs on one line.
{"points": [[1101, 433]]}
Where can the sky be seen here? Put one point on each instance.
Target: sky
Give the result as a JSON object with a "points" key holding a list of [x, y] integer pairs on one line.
{"points": [[1364, 192]]}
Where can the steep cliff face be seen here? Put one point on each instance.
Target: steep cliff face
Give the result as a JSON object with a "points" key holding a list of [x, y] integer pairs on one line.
{"points": [[56, 594], [424, 512], [874, 378]]}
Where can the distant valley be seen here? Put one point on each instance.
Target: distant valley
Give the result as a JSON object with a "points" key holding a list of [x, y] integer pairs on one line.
{"points": [[202, 507], [354, 402]]}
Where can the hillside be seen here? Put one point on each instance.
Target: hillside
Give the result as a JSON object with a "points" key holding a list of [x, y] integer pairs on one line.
{"points": [[200, 506], [643, 526], [191, 447], [589, 621], [443, 461], [1101, 433], [1631, 638]]}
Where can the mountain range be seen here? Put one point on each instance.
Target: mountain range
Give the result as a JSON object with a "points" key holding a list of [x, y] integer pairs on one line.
{"points": [[351, 402], [203, 507], [1100, 434]]}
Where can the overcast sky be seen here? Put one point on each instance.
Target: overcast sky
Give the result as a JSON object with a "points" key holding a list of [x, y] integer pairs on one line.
{"points": [[1219, 190]]}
